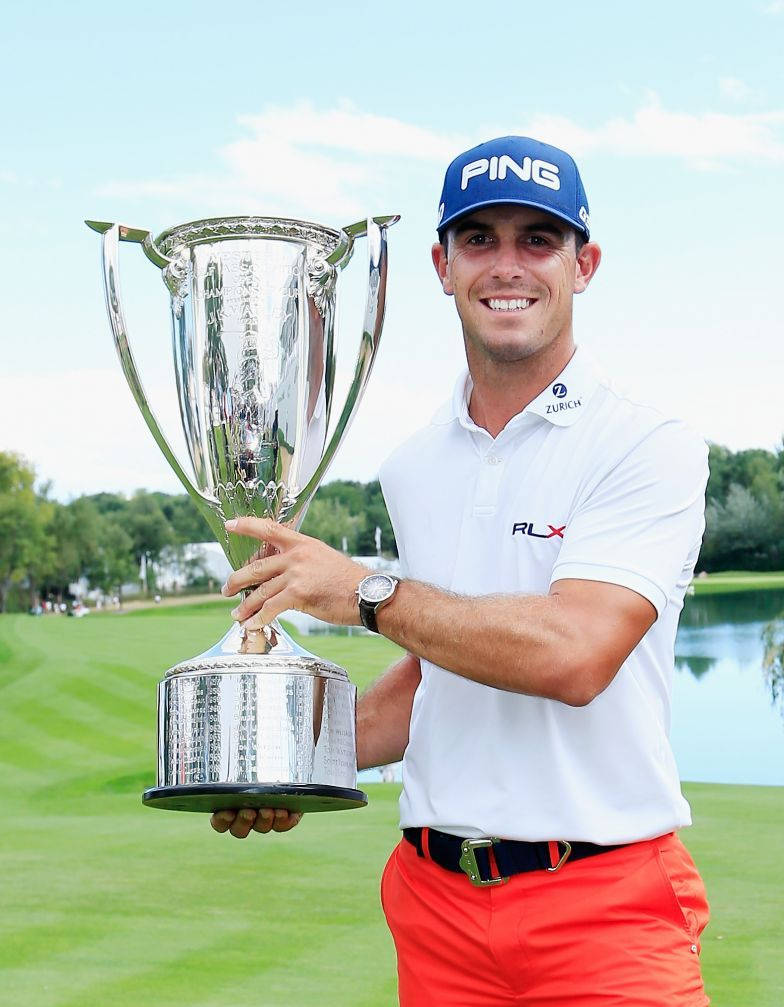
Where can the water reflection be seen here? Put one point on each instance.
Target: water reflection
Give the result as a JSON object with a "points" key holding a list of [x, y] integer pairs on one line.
{"points": [[698, 666], [724, 726], [740, 608]]}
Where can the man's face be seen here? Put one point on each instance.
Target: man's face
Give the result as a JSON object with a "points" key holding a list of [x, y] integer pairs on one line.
{"points": [[513, 271]]}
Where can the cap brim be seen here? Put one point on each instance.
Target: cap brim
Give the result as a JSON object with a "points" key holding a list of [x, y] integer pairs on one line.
{"points": [[576, 224]]}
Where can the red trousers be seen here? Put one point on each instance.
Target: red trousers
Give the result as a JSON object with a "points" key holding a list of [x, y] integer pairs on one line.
{"points": [[620, 928]]}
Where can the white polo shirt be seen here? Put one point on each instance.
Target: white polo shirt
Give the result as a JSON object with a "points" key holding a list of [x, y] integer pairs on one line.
{"points": [[583, 483]]}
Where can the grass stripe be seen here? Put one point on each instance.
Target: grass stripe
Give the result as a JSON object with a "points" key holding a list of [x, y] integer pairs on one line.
{"points": [[76, 727]]}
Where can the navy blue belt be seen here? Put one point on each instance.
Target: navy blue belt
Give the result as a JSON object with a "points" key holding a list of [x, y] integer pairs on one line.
{"points": [[493, 861]]}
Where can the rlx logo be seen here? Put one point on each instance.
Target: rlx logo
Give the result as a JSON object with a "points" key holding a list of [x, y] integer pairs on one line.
{"points": [[527, 528]]}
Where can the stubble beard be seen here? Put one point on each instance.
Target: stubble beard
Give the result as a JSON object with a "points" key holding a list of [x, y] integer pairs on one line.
{"points": [[512, 352]]}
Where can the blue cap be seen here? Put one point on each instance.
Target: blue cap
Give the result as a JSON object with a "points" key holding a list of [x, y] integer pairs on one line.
{"points": [[514, 169]]}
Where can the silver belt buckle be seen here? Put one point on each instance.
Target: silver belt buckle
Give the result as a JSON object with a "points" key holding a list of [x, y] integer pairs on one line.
{"points": [[564, 856], [469, 866]]}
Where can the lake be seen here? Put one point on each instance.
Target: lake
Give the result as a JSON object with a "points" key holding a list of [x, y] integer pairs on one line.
{"points": [[724, 727]]}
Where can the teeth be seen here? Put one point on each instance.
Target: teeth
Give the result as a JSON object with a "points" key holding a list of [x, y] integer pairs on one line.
{"points": [[496, 304]]}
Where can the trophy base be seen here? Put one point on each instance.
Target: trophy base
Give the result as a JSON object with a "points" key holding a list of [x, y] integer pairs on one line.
{"points": [[211, 797]]}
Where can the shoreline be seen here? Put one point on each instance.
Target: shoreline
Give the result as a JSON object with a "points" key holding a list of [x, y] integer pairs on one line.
{"points": [[729, 582], [732, 582]]}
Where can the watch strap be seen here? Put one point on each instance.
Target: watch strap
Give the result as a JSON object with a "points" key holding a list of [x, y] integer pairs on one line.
{"points": [[367, 613]]}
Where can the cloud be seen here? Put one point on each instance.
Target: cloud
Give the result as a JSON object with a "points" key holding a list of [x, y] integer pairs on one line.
{"points": [[301, 159], [707, 140], [8, 177], [777, 7], [89, 436], [735, 89], [348, 129], [298, 159]]}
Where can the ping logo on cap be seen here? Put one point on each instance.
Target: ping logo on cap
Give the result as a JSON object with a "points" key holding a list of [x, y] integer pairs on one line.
{"points": [[496, 168]]}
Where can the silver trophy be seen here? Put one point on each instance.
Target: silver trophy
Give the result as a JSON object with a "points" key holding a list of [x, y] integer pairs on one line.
{"points": [[256, 721]]}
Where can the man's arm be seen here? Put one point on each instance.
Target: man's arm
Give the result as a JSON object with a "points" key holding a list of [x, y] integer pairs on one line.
{"points": [[567, 645], [384, 714]]}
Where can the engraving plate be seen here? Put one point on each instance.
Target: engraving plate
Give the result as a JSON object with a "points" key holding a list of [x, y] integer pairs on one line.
{"points": [[258, 728]]}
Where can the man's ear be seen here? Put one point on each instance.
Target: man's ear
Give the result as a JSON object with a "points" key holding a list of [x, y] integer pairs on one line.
{"points": [[441, 264], [586, 264]]}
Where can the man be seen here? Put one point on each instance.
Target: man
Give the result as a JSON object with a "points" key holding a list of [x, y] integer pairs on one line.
{"points": [[548, 528]]}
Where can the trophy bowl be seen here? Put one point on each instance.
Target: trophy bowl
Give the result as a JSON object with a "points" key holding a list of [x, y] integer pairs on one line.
{"points": [[256, 720]]}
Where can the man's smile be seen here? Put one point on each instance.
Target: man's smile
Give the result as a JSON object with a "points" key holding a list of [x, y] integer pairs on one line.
{"points": [[508, 303]]}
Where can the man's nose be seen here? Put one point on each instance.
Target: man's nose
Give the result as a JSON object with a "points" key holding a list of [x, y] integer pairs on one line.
{"points": [[507, 262]]}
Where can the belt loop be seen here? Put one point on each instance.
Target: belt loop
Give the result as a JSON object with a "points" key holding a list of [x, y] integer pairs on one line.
{"points": [[425, 842], [555, 853]]}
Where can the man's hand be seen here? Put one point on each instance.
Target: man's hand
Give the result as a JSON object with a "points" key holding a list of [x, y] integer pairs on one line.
{"points": [[241, 823], [304, 574]]}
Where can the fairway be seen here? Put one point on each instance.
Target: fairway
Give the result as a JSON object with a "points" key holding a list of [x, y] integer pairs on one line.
{"points": [[105, 902]]}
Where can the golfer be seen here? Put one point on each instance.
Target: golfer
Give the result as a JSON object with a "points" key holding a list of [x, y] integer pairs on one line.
{"points": [[548, 527]]}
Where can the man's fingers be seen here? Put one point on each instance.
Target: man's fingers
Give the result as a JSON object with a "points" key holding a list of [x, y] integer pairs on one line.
{"points": [[263, 529], [243, 823], [270, 610], [285, 820], [221, 820], [264, 820], [257, 599], [258, 571], [276, 820]]}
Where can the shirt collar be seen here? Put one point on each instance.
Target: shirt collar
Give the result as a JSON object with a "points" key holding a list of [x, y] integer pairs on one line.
{"points": [[561, 403]]}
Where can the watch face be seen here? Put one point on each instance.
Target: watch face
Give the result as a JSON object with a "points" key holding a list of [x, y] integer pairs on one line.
{"points": [[377, 587]]}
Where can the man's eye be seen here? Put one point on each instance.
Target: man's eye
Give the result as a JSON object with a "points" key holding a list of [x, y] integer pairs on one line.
{"points": [[537, 240], [478, 239]]}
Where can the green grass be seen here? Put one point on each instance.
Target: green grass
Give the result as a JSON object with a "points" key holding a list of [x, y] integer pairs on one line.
{"points": [[730, 581], [105, 902], [736, 842]]}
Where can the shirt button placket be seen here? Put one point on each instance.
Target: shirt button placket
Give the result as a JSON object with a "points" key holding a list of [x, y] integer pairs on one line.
{"points": [[488, 483]]}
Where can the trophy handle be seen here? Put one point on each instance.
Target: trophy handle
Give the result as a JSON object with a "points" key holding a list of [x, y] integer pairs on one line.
{"points": [[112, 234], [376, 230]]}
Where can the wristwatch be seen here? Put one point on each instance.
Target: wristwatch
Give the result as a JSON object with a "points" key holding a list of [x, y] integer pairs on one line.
{"points": [[374, 592]]}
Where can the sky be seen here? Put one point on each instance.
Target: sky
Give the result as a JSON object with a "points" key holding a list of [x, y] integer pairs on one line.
{"points": [[153, 114]]}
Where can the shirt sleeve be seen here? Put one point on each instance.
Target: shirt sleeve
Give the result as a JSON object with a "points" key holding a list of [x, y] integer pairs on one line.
{"points": [[641, 526], [387, 481]]}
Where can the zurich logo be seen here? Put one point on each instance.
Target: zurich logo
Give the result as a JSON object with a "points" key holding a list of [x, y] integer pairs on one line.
{"points": [[559, 391]]}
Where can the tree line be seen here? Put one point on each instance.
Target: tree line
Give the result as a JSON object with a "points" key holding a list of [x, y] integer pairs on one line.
{"points": [[107, 539], [744, 514], [46, 545]]}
